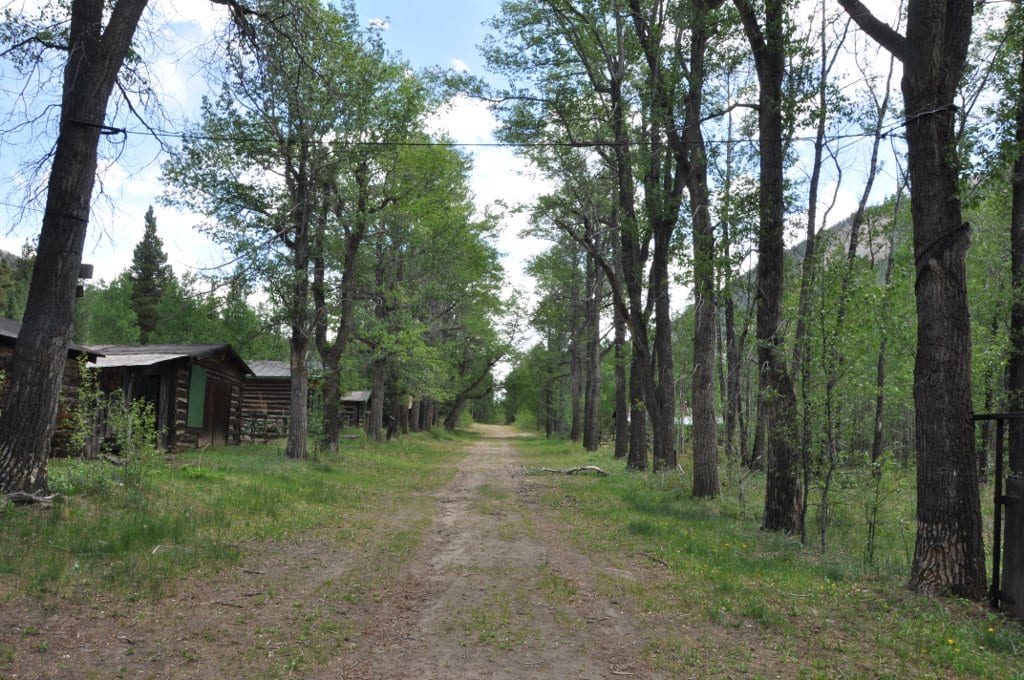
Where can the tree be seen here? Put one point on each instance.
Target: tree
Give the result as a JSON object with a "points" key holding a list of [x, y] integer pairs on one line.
{"points": [[949, 555], [267, 152], [105, 315], [768, 44], [150, 276], [95, 53]]}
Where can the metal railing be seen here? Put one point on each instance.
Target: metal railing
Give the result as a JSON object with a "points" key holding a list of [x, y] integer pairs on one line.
{"points": [[1000, 500]]}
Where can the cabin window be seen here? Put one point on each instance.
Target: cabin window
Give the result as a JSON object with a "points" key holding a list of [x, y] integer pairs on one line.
{"points": [[196, 397]]}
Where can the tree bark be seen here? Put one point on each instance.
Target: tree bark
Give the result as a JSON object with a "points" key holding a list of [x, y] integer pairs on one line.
{"points": [[1015, 366], [592, 389], [948, 553], [375, 422], [622, 445], [95, 55], [414, 415], [705, 426], [637, 459], [575, 386], [782, 504]]}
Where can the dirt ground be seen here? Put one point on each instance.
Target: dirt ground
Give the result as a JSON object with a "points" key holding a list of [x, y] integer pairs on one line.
{"points": [[494, 591]]}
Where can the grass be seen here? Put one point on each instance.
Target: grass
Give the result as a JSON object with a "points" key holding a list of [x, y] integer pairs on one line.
{"points": [[202, 510], [497, 622], [748, 603]]}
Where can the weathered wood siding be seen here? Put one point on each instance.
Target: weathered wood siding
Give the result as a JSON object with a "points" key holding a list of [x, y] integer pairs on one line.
{"points": [[185, 437], [266, 406]]}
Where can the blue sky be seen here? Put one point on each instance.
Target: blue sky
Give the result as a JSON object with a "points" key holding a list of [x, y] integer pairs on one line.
{"points": [[433, 33], [424, 33]]}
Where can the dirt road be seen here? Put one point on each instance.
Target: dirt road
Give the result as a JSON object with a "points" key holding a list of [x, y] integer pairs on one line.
{"points": [[495, 592]]}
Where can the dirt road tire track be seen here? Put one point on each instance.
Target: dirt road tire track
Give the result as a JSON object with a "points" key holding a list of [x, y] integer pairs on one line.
{"points": [[495, 591]]}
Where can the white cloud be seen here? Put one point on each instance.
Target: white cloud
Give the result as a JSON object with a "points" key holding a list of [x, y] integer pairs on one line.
{"points": [[379, 24], [465, 120], [460, 65]]}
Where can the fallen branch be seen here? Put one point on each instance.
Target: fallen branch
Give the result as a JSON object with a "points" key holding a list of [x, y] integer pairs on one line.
{"points": [[570, 471], [24, 498]]}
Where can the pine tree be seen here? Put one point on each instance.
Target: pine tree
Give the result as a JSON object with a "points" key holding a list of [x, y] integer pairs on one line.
{"points": [[150, 275]]}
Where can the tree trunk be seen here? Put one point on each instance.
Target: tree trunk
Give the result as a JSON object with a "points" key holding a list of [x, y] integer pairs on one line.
{"points": [[948, 553], [95, 56], [298, 418], [402, 408], [782, 507], [662, 411], [592, 390], [705, 426], [575, 387], [622, 387], [637, 459], [414, 415], [1015, 367], [375, 422], [331, 404]]}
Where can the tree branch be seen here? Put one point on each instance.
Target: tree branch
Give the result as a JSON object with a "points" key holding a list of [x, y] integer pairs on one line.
{"points": [[880, 32]]}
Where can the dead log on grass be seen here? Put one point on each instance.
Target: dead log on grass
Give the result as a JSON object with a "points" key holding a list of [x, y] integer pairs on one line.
{"points": [[570, 471]]}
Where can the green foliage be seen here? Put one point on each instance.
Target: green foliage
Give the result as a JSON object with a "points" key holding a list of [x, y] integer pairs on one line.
{"points": [[150, 277], [104, 315], [133, 426]]}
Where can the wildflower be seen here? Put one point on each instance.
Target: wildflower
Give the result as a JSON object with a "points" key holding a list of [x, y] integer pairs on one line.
{"points": [[991, 629], [951, 641]]}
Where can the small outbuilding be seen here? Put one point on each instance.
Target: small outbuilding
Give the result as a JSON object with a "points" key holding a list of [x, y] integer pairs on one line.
{"points": [[196, 390], [266, 406], [353, 408]]}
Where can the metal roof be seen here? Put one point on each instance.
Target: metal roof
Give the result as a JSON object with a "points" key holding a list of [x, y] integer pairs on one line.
{"points": [[271, 369], [114, 356], [357, 395]]}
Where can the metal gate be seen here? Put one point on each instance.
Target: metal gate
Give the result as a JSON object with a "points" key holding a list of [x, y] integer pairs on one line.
{"points": [[1007, 589]]}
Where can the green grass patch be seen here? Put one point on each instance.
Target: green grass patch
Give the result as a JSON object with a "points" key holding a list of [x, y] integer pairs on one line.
{"points": [[806, 613], [497, 622], [200, 509]]}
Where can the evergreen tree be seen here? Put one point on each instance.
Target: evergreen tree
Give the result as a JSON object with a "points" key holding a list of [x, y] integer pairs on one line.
{"points": [[150, 276]]}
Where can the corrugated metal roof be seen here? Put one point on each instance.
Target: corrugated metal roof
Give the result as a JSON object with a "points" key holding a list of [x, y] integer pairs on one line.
{"points": [[148, 355], [175, 350], [118, 360], [357, 395], [271, 369]]}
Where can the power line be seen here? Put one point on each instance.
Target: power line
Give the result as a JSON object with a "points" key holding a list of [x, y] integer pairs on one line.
{"points": [[888, 132]]}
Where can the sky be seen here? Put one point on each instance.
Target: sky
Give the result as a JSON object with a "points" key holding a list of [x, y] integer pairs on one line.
{"points": [[424, 34], [178, 33]]}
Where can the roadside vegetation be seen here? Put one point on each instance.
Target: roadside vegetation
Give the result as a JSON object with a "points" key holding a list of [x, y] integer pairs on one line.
{"points": [[735, 592], [135, 530]]}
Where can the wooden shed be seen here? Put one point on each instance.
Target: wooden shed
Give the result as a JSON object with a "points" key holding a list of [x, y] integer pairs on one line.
{"points": [[196, 390], [60, 446], [353, 408], [266, 406]]}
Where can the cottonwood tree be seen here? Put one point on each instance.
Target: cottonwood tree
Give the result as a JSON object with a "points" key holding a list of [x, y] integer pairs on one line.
{"points": [[98, 40], [949, 555], [767, 33], [264, 150]]}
